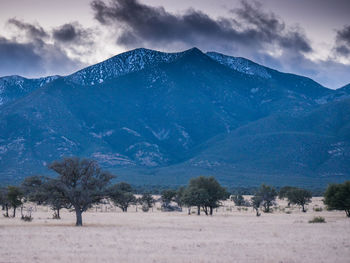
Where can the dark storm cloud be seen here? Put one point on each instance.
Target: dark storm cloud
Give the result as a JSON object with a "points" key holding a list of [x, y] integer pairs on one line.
{"points": [[343, 41], [31, 53], [71, 32], [17, 57], [32, 31], [34, 58], [141, 24], [268, 27]]}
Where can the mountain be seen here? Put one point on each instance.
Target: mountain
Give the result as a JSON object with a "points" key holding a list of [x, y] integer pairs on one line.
{"points": [[161, 118], [15, 87]]}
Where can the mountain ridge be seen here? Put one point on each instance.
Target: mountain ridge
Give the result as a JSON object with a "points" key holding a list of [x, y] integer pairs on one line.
{"points": [[157, 122]]}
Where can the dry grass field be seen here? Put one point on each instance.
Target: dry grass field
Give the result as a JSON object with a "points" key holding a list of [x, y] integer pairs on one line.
{"points": [[109, 235]]}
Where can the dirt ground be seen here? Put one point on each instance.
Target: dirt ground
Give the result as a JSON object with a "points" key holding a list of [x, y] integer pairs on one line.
{"points": [[109, 235]]}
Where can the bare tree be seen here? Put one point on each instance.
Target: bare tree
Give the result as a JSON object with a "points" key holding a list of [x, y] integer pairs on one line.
{"points": [[81, 182]]}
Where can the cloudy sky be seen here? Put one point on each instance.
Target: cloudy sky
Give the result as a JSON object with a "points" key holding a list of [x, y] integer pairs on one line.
{"points": [[307, 37]]}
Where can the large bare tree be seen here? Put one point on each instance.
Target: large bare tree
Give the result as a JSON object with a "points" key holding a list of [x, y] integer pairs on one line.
{"points": [[81, 182]]}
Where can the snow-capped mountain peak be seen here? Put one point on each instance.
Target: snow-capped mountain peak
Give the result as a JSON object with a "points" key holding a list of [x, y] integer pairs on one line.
{"points": [[122, 64]]}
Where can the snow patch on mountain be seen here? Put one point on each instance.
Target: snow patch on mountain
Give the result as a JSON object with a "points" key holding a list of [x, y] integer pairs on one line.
{"points": [[240, 64], [130, 131], [14, 87], [146, 154], [122, 64], [100, 135], [112, 159]]}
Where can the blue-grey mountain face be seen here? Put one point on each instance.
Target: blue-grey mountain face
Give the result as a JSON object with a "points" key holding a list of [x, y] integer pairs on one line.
{"points": [[161, 118], [16, 87]]}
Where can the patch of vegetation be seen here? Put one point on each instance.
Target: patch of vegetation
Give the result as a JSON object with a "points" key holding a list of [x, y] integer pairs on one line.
{"points": [[27, 218], [318, 219], [337, 197]]}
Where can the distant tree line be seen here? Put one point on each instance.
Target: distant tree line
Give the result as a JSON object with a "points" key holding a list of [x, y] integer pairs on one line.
{"points": [[158, 189], [81, 183]]}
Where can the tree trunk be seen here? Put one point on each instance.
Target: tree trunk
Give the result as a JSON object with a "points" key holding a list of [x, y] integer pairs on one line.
{"points": [[198, 210], [257, 212], [205, 210], [58, 213], [303, 206], [14, 212], [189, 210], [347, 211], [126, 209], [7, 210], [211, 211], [79, 217], [266, 208], [21, 210]]}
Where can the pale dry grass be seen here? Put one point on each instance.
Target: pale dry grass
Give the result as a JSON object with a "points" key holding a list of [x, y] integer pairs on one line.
{"points": [[229, 236]]}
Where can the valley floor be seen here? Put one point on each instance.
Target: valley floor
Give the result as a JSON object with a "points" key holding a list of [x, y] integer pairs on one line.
{"points": [[228, 236]]}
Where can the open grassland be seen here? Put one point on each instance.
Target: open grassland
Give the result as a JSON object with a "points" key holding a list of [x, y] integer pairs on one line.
{"points": [[109, 235]]}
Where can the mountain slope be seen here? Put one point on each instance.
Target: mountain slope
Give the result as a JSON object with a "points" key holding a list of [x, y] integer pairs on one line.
{"points": [[16, 87], [314, 148], [156, 117], [125, 63]]}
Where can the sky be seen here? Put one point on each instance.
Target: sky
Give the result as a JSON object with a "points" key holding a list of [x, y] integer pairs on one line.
{"points": [[305, 37]]}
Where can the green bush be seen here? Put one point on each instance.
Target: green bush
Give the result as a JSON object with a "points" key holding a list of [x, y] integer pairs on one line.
{"points": [[145, 207], [317, 219]]}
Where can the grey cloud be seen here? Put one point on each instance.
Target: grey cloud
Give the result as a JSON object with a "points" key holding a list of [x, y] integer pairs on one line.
{"points": [[36, 55], [71, 32], [343, 41], [141, 24], [32, 31], [248, 32], [17, 57], [344, 35], [34, 59]]}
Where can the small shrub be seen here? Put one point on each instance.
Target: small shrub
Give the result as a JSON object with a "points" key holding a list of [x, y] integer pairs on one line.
{"points": [[318, 209], [145, 208], [27, 218], [288, 212], [317, 219], [55, 216]]}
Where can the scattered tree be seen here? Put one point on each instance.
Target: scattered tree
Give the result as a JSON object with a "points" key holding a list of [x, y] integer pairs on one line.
{"points": [[179, 196], [14, 196], [167, 197], [238, 199], [256, 203], [268, 196], [81, 183], [337, 197], [284, 191], [43, 191], [194, 196], [204, 192], [300, 197], [122, 196], [4, 202], [282, 194], [147, 201]]}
